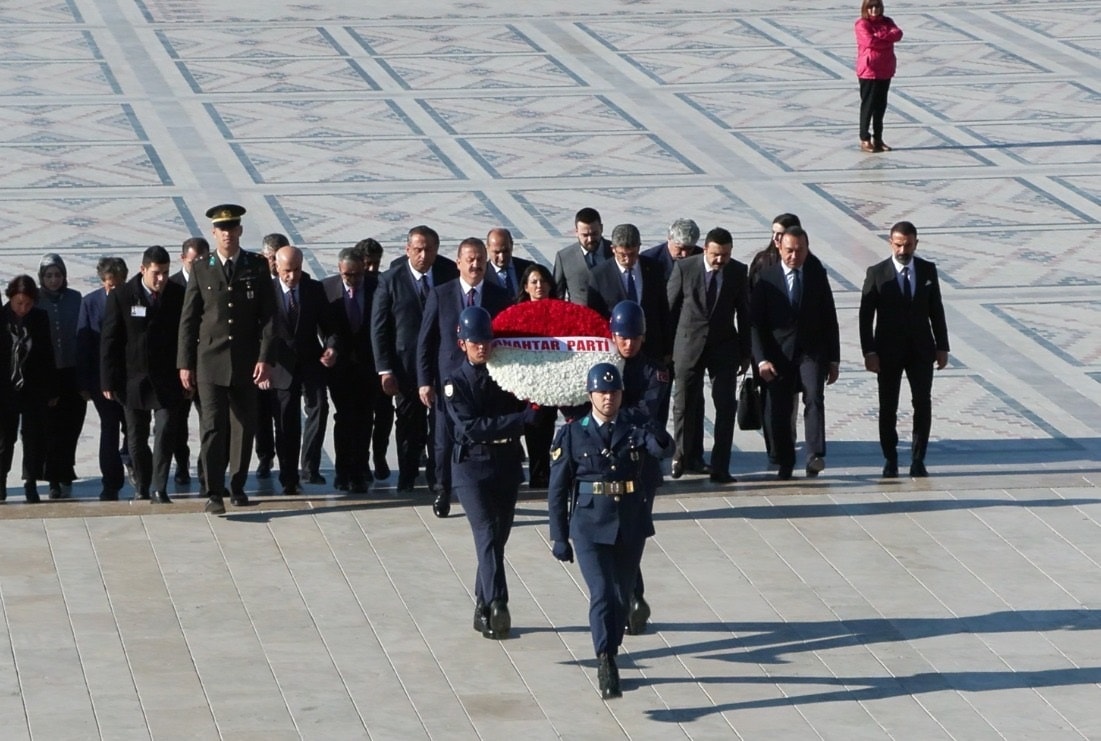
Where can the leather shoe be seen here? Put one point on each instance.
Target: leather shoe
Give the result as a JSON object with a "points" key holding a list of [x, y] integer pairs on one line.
{"points": [[500, 621], [442, 506], [109, 495], [160, 497], [315, 478], [30, 491], [292, 490], [917, 470], [238, 498], [263, 471], [784, 474], [54, 491], [677, 469], [697, 467], [340, 483], [405, 486], [215, 506], [357, 486], [607, 675], [866, 145], [481, 617], [890, 470], [881, 146], [182, 477], [637, 616], [141, 496], [382, 470], [815, 466], [722, 478]]}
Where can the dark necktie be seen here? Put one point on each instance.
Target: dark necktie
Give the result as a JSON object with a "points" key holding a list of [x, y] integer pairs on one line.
{"points": [[355, 316], [152, 299], [796, 289], [606, 435], [470, 297], [228, 269], [292, 309], [712, 289], [424, 289], [907, 291], [590, 258], [632, 290], [506, 281]]}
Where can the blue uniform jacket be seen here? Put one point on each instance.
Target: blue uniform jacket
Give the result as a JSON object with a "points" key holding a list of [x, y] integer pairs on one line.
{"points": [[578, 455], [482, 415]]}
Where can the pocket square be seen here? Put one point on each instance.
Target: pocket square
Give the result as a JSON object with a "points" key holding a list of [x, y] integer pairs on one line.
{"points": [[928, 282]]}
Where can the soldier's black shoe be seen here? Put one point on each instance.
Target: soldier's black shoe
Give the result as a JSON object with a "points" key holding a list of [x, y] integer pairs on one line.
{"points": [[500, 621], [607, 675], [238, 498], [442, 506], [637, 616], [481, 617], [215, 505]]}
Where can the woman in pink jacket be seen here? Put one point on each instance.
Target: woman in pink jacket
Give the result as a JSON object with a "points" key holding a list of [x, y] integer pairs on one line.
{"points": [[876, 35]]}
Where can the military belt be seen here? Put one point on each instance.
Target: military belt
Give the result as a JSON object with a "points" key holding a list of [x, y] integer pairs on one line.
{"points": [[607, 488]]}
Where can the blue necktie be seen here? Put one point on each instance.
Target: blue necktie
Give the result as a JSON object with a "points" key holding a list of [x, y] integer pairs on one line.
{"points": [[632, 290]]}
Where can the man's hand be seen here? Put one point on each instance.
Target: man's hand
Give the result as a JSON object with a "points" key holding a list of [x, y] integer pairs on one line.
{"points": [[389, 384], [871, 362], [833, 373], [261, 375], [187, 379], [562, 550], [328, 358], [108, 396], [428, 395], [767, 371], [942, 359]]}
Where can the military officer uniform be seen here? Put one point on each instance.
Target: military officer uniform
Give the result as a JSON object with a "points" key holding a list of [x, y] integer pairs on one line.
{"points": [[225, 329], [486, 470], [601, 487]]}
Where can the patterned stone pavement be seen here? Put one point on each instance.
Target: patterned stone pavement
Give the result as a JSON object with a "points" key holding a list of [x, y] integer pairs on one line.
{"points": [[963, 606]]}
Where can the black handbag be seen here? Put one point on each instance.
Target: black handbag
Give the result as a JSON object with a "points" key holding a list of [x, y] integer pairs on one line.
{"points": [[750, 409]]}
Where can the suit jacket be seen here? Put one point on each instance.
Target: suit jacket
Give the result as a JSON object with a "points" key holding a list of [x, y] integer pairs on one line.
{"points": [[40, 381], [696, 329], [178, 278], [226, 326], [516, 268], [88, 328], [353, 348], [139, 346], [297, 350], [438, 352], [606, 290], [660, 253], [571, 272], [782, 335], [895, 328], [396, 319]]}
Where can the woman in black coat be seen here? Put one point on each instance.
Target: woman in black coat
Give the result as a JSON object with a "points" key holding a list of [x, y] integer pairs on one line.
{"points": [[28, 381]]}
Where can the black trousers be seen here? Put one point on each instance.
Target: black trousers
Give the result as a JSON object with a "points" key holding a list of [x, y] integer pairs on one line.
{"points": [[720, 365], [315, 404], [353, 391], [32, 413], [919, 374], [411, 429], [151, 464], [112, 431], [382, 425], [228, 423], [781, 396], [266, 405], [182, 434], [873, 104], [64, 421]]}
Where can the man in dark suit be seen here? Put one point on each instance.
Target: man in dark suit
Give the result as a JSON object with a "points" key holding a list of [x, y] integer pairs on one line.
{"points": [[265, 401], [353, 381], [709, 302], [630, 277], [225, 351], [797, 348], [439, 354], [395, 324], [138, 367], [503, 265], [572, 264], [194, 248], [684, 234], [302, 321], [903, 330]]}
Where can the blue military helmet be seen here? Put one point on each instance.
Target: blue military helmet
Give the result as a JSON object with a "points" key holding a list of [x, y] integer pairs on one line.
{"points": [[475, 325], [603, 377], [628, 320]]}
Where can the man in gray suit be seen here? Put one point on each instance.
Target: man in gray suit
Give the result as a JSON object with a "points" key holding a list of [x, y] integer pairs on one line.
{"points": [[225, 350], [572, 264], [709, 302]]}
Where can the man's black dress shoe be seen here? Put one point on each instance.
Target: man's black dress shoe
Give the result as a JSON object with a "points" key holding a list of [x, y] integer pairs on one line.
{"points": [[722, 478], [405, 486], [340, 483], [382, 470], [215, 506], [607, 675], [917, 470], [54, 491], [315, 478], [815, 466], [697, 467], [442, 506], [500, 621], [481, 617], [263, 471], [784, 474], [890, 470], [109, 495], [30, 491], [357, 486], [160, 497], [637, 617], [182, 477], [292, 490], [677, 469], [238, 498], [141, 496]]}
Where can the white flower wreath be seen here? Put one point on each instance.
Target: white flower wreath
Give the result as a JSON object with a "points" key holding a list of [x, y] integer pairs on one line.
{"points": [[548, 377]]}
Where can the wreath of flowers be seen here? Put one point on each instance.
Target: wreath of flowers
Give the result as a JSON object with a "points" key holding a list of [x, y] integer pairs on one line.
{"points": [[543, 350]]}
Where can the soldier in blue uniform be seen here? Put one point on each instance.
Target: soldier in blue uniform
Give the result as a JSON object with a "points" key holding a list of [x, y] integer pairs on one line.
{"points": [[647, 387], [486, 471], [601, 486]]}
